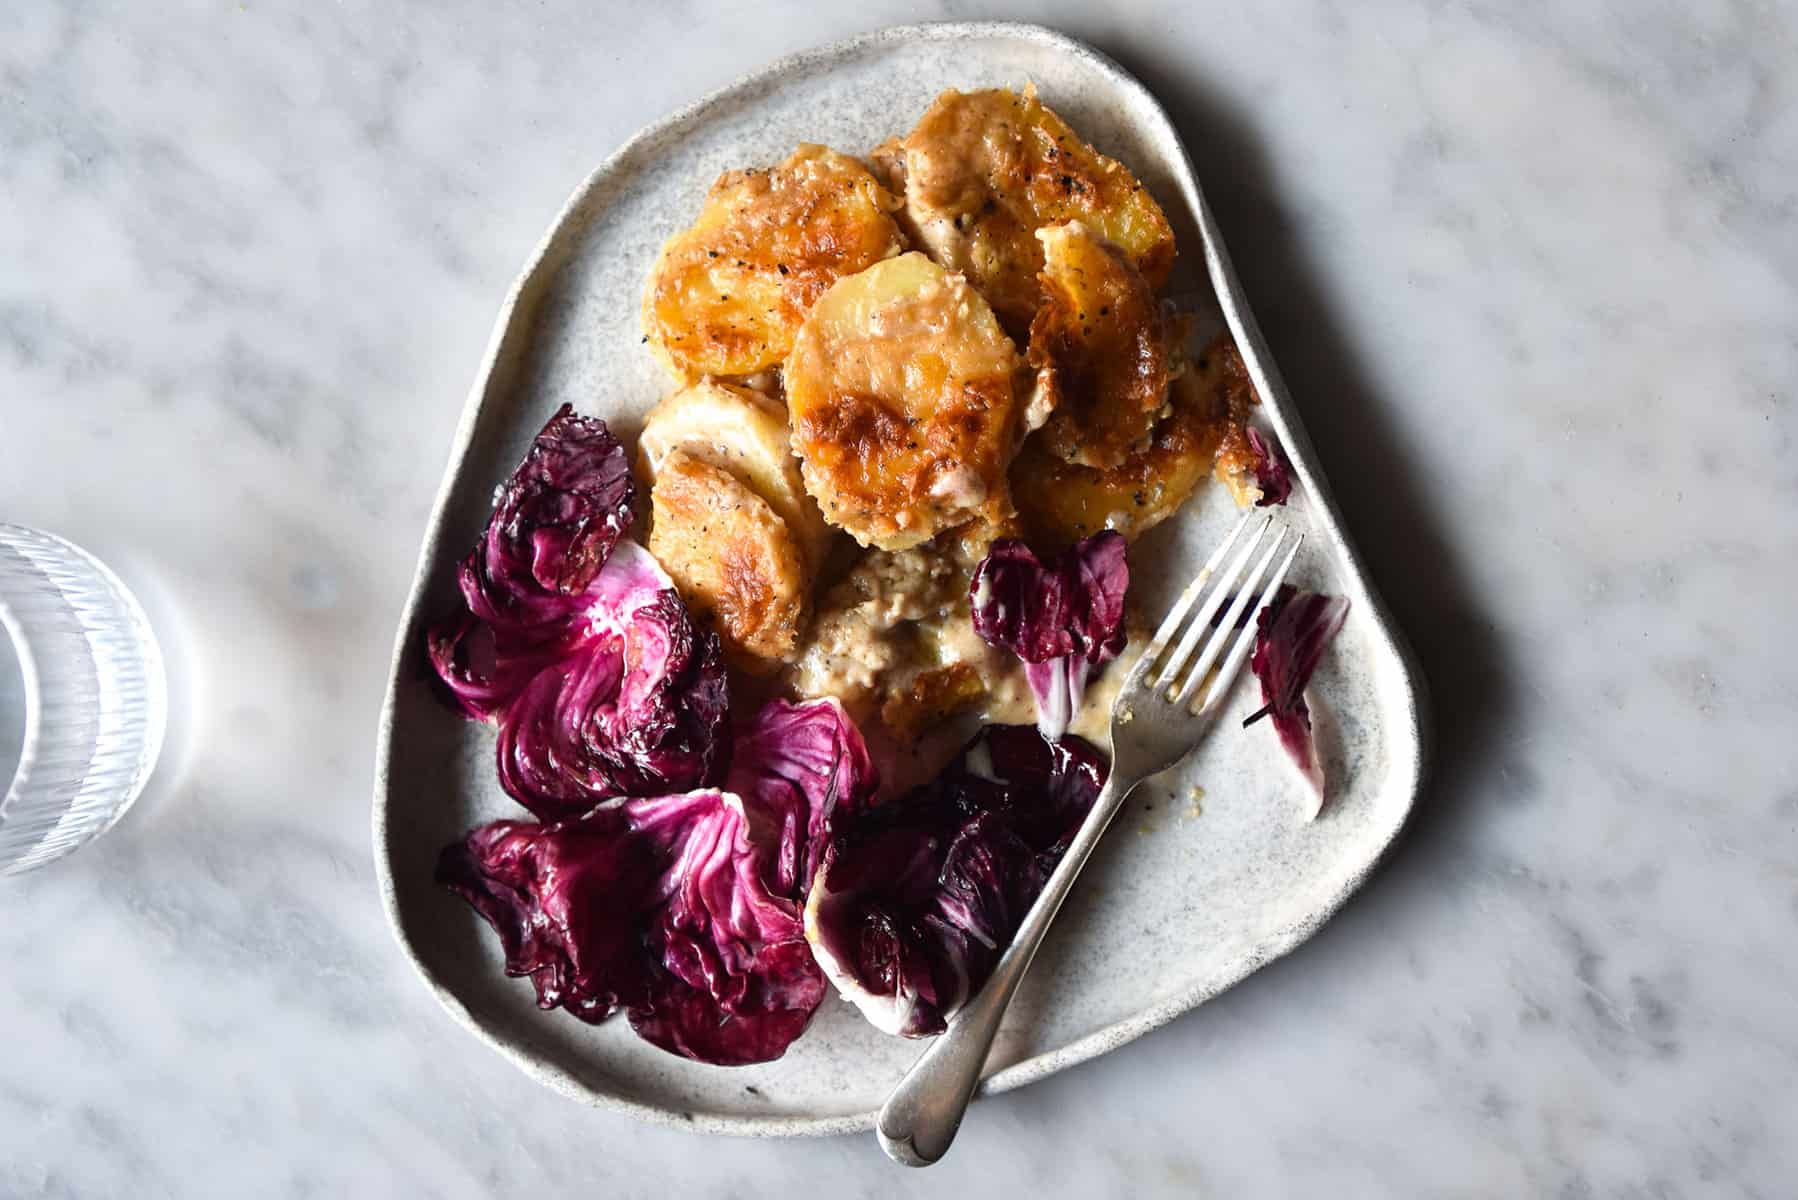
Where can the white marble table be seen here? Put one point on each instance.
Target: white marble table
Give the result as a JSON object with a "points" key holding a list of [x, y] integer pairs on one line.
{"points": [[1534, 279]]}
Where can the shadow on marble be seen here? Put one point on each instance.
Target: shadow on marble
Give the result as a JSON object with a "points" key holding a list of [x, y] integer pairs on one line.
{"points": [[1389, 516], [1386, 511]]}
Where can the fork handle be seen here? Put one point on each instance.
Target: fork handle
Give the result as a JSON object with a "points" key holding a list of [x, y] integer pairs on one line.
{"points": [[920, 1118]]}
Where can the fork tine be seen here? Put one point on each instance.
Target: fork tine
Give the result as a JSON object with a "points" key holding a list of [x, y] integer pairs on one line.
{"points": [[1201, 621], [1245, 641], [1221, 636], [1171, 624]]}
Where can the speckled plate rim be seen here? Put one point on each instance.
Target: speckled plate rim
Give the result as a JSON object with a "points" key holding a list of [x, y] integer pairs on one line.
{"points": [[1277, 408]]}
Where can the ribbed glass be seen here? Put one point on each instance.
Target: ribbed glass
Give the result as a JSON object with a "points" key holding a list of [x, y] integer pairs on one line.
{"points": [[96, 699]]}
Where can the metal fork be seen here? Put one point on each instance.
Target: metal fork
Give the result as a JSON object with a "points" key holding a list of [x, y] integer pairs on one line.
{"points": [[1155, 723]]}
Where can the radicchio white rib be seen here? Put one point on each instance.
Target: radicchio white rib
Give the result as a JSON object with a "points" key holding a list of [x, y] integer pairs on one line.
{"points": [[637, 708], [918, 897], [576, 644], [1065, 620], [683, 911], [1291, 635]]}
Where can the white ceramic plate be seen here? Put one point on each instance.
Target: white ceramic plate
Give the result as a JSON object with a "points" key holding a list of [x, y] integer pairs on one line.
{"points": [[1185, 897]]}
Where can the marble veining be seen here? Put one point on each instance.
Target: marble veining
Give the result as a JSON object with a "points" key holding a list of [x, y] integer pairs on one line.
{"points": [[1530, 271]]}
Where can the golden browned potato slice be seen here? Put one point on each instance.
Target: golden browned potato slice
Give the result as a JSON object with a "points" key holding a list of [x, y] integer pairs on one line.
{"points": [[732, 556], [983, 171], [1099, 346], [1233, 395], [728, 293], [1061, 502], [1235, 467], [744, 432], [900, 389]]}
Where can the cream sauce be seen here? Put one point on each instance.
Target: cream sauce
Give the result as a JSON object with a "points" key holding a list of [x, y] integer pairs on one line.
{"points": [[872, 624], [1092, 720], [899, 614]]}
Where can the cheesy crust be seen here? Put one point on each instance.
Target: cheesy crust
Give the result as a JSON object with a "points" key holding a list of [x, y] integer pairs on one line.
{"points": [[1099, 346], [900, 389], [1061, 502], [743, 431], [983, 171], [728, 293], [893, 639], [730, 555]]}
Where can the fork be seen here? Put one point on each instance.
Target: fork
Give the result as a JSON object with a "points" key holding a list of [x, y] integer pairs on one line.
{"points": [[1158, 718]]}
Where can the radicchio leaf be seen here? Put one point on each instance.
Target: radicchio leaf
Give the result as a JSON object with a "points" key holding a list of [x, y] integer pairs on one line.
{"points": [[732, 981], [552, 893], [575, 643], [481, 672], [1064, 620], [1272, 474], [1291, 635], [918, 897], [657, 906], [639, 707], [563, 509], [524, 585], [797, 767]]}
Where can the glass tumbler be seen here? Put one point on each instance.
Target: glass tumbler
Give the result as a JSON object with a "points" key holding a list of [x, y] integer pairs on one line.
{"points": [[83, 698]]}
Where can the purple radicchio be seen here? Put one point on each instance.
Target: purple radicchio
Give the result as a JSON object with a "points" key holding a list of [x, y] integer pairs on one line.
{"points": [[637, 708], [1291, 635], [1065, 620], [917, 898], [681, 910], [524, 586], [575, 643], [1273, 475], [656, 906], [562, 511], [799, 767]]}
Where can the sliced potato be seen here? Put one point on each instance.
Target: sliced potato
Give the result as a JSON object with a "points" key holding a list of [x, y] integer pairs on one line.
{"points": [[744, 432], [1235, 467], [887, 161], [732, 556], [1099, 346], [1233, 394], [900, 389], [969, 544], [1061, 502], [728, 293], [983, 171]]}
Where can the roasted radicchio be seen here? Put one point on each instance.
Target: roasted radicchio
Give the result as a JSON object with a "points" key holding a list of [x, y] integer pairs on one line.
{"points": [[654, 906], [1273, 476], [799, 767], [918, 897], [649, 891], [637, 708], [1064, 620], [683, 911], [1290, 639], [575, 643], [524, 585]]}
